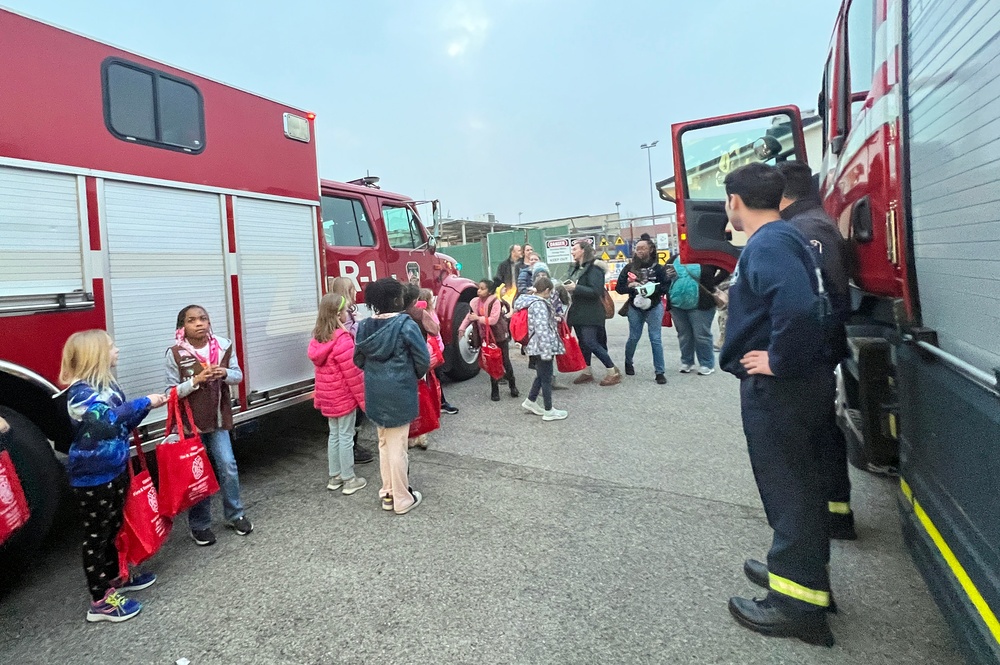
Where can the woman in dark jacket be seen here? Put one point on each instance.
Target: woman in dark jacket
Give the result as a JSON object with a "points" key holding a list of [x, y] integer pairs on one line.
{"points": [[645, 282], [693, 314], [586, 313]]}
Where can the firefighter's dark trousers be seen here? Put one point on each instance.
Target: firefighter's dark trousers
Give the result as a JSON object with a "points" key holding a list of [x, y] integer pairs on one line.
{"points": [[785, 422]]}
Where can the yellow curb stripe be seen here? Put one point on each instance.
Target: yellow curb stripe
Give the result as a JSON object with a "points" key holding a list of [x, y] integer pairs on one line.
{"points": [[956, 567]]}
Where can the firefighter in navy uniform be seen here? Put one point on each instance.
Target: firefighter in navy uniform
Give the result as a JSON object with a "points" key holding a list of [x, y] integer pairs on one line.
{"points": [[800, 205], [775, 345]]}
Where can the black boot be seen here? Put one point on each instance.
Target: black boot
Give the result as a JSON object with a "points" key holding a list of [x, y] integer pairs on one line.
{"points": [[842, 526], [494, 390], [756, 572], [513, 387], [762, 617]]}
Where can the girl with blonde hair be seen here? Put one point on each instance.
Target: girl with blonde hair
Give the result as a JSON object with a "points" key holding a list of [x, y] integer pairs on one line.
{"points": [[340, 390], [98, 478]]}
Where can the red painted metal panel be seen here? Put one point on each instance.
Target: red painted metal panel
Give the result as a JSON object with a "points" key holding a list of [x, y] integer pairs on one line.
{"points": [[239, 341], [231, 224], [93, 214], [53, 112], [35, 341]]}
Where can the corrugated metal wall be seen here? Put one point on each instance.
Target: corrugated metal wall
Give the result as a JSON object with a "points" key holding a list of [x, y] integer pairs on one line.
{"points": [[954, 116]]}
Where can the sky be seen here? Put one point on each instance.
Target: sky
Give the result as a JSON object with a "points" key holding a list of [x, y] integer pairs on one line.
{"points": [[528, 109]]}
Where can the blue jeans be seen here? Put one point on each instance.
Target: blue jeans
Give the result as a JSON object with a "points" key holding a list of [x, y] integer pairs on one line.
{"points": [[542, 383], [594, 342], [653, 319], [340, 446], [694, 332], [220, 451]]}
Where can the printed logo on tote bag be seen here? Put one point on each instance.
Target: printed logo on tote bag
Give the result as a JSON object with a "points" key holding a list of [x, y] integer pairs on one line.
{"points": [[6, 492], [198, 468], [153, 502]]}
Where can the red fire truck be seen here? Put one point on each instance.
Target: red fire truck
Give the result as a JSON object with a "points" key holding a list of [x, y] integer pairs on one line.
{"points": [[910, 102], [129, 189]]}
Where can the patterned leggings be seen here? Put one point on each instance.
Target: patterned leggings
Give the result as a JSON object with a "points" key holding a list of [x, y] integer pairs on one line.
{"points": [[101, 508]]}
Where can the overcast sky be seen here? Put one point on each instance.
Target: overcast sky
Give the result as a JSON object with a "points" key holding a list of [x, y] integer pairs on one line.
{"points": [[505, 106]]}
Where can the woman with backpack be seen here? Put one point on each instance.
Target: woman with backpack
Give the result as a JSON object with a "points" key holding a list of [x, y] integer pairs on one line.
{"points": [[486, 311], [586, 313], [693, 309]]}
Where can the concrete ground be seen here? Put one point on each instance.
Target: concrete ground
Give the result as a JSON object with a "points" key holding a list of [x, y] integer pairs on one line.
{"points": [[615, 536]]}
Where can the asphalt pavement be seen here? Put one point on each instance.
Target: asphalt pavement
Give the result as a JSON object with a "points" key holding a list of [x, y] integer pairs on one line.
{"points": [[614, 536]]}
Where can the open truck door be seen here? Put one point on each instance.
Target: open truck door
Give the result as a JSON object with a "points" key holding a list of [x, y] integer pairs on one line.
{"points": [[707, 150]]}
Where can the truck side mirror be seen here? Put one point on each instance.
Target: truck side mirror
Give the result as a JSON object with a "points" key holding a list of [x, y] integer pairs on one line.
{"points": [[432, 244]]}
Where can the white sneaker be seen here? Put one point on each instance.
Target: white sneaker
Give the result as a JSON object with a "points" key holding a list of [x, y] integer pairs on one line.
{"points": [[335, 483], [533, 407], [685, 369], [554, 414], [705, 371], [352, 485]]}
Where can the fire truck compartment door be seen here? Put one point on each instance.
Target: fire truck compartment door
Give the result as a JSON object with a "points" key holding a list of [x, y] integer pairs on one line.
{"points": [[705, 152], [165, 251], [278, 257], [41, 251]]}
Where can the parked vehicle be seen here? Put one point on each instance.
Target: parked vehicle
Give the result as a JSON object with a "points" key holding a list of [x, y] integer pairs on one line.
{"points": [[130, 189], [909, 106]]}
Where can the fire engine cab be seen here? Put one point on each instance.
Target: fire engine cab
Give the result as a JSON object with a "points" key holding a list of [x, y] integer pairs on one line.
{"points": [[130, 189], [910, 104]]}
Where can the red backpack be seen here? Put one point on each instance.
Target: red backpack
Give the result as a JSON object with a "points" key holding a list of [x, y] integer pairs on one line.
{"points": [[519, 326]]}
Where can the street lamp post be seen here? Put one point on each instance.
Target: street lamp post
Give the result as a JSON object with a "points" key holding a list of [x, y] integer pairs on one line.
{"points": [[649, 162], [519, 218]]}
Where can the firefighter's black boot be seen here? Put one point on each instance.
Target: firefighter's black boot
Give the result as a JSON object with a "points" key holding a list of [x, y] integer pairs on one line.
{"points": [[761, 616], [756, 572], [842, 526], [494, 390]]}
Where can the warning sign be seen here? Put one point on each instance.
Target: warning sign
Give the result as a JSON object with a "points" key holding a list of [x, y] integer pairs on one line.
{"points": [[663, 258], [605, 257], [619, 241], [604, 242], [621, 257]]}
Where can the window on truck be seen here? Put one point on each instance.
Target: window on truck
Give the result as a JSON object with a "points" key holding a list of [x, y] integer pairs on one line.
{"points": [[150, 107], [860, 51], [710, 153], [345, 223], [402, 226]]}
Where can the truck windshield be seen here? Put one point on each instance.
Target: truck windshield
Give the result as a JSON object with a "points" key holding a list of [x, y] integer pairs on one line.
{"points": [[402, 227]]}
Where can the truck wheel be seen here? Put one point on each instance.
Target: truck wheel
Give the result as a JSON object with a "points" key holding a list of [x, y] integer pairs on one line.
{"points": [[42, 479], [463, 359]]}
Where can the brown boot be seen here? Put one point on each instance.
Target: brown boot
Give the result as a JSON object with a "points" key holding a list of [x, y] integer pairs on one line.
{"points": [[585, 377], [612, 378]]}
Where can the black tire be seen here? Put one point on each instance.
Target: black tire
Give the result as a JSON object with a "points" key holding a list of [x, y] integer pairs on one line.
{"points": [[457, 367], [44, 481]]}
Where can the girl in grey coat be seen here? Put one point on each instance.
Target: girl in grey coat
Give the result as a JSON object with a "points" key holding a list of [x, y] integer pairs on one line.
{"points": [[544, 343]]}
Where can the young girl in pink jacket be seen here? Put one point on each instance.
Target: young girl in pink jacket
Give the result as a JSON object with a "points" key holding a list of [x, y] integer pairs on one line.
{"points": [[340, 389]]}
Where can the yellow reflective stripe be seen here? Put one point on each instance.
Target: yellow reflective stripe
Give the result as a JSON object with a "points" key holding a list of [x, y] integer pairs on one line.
{"points": [[956, 567], [797, 591], [839, 507]]}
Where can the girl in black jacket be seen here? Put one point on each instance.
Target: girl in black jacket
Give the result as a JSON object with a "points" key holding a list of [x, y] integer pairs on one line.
{"points": [[586, 314]]}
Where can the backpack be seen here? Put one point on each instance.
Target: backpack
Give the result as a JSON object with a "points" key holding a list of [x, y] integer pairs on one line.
{"points": [[519, 326], [684, 291]]}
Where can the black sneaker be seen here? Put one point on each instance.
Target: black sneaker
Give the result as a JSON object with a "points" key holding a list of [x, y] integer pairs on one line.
{"points": [[362, 456], [241, 525], [661, 379], [448, 408], [203, 537], [629, 369]]}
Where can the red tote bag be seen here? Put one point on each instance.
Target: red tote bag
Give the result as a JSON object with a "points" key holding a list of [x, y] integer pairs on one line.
{"points": [[572, 360], [14, 511], [435, 351], [668, 320], [186, 475], [429, 417], [144, 529], [490, 356]]}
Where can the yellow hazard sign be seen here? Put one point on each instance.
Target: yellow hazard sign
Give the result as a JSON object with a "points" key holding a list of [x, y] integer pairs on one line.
{"points": [[604, 242], [621, 257], [663, 258], [619, 241], [605, 257]]}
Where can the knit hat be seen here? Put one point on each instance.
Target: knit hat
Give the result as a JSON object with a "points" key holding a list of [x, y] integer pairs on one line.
{"points": [[539, 267]]}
